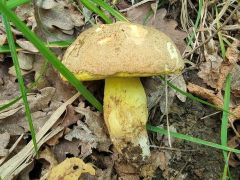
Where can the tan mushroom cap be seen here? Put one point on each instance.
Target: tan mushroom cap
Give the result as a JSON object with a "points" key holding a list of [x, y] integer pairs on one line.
{"points": [[122, 49]]}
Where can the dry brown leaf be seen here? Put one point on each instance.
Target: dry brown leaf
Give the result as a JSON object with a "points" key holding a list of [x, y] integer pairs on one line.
{"points": [[214, 70], [95, 123], [24, 175], [210, 69], [12, 71], [69, 118], [88, 141], [235, 86], [48, 156], [26, 13], [39, 104], [25, 61], [63, 90], [26, 45], [225, 69], [25, 156], [55, 139], [59, 18], [206, 94], [47, 4], [157, 160], [65, 147], [6, 114], [126, 171], [7, 82], [159, 21], [71, 169], [37, 101], [233, 52]]}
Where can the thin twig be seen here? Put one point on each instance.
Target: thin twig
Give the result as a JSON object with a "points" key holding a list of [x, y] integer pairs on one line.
{"points": [[135, 5]]}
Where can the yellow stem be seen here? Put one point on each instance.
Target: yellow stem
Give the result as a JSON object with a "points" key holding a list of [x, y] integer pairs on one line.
{"points": [[126, 114]]}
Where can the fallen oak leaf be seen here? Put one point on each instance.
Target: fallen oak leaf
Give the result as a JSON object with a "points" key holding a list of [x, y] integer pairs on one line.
{"points": [[225, 69], [139, 14], [65, 147], [95, 123], [71, 169], [37, 101], [215, 70], [57, 19], [210, 69], [70, 117], [87, 140], [26, 45], [233, 53]]}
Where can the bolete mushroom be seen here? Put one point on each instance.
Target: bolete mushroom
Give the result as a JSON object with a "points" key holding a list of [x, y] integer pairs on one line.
{"points": [[120, 53]]}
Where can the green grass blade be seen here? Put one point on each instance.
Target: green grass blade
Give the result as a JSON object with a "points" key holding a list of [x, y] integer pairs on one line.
{"points": [[224, 125], [119, 16], [191, 139], [14, 3], [20, 80], [5, 48], [10, 103], [92, 7], [55, 44], [196, 25], [50, 56]]}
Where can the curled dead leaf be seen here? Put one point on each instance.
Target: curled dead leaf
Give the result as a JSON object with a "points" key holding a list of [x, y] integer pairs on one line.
{"points": [[233, 53], [26, 45], [59, 18]]}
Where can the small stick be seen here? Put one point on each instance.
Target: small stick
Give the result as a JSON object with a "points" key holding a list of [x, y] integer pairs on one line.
{"points": [[135, 5]]}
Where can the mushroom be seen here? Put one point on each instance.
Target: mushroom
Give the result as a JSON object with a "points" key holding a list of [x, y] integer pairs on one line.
{"points": [[121, 53]]}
